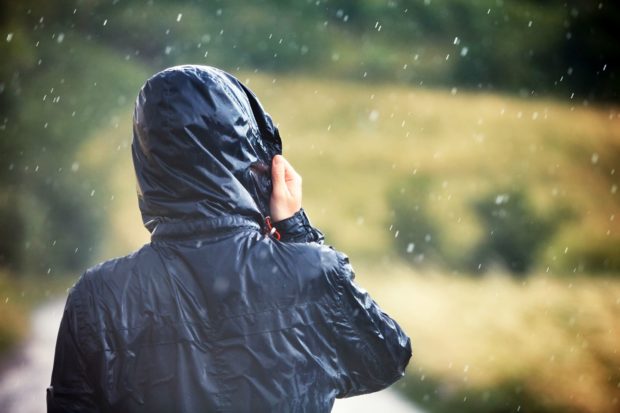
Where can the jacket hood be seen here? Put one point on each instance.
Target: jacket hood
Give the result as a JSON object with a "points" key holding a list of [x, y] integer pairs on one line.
{"points": [[202, 147]]}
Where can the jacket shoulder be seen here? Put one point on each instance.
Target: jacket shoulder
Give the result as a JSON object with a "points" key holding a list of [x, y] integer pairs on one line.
{"points": [[112, 270], [322, 258]]}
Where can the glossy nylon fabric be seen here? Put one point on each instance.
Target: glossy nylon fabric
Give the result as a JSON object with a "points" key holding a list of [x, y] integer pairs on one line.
{"points": [[213, 315], [202, 147]]}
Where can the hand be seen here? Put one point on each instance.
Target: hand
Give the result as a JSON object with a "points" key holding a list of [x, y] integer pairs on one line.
{"points": [[286, 194]]}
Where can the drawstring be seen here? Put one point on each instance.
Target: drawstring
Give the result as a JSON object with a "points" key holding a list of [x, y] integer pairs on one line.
{"points": [[271, 230]]}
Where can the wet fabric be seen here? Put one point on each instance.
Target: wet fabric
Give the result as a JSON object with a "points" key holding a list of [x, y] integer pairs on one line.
{"points": [[214, 314]]}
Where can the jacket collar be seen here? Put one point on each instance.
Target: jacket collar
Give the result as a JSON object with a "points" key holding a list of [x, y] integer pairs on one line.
{"points": [[197, 228]]}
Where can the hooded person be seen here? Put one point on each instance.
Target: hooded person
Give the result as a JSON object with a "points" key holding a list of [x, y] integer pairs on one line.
{"points": [[223, 311]]}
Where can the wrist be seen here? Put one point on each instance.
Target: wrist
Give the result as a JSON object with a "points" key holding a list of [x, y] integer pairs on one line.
{"points": [[297, 214], [297, 228]]}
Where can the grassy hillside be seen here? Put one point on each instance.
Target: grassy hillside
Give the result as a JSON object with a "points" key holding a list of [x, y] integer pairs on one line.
{"points": [[353, 143], [489, 344]]}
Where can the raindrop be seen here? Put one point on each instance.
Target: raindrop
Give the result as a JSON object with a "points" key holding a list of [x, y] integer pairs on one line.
{"points": [[501, 199], [373, 116], [594, 158], [179, 17], [410, 247], [60, 38], [464, 51], [9, 37]]}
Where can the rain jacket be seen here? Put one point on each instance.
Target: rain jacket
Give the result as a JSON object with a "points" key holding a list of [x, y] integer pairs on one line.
{"points": [[216, 314]]}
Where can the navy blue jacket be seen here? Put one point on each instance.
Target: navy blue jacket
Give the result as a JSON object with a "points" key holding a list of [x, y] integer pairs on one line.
{"points": [[215, 314]]}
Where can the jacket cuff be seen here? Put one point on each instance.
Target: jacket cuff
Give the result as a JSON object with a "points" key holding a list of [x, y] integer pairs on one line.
{"points": [[298, 229]]}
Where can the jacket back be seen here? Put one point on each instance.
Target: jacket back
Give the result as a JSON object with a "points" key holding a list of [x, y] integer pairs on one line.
{"points": [[214, 314]]}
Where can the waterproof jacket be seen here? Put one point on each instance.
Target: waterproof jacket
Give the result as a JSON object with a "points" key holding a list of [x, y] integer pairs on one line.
{"points": [[216, 314]]}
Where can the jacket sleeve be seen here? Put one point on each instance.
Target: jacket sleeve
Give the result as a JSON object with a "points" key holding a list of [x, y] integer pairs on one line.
{"points": [[372, 349], [298, 229], [70, 389]]}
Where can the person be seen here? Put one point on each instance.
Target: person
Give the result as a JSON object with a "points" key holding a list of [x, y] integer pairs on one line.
{"points": [[236, 304]]}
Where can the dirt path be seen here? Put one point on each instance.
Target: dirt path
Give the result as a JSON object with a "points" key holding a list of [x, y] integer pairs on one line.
{"points": [[23, 382]]}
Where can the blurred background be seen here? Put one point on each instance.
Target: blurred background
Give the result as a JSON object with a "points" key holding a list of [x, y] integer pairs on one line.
{"points": [[465, 154]]}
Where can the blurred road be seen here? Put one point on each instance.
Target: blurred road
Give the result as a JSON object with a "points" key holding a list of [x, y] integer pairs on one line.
{"points": [[24, 380]]}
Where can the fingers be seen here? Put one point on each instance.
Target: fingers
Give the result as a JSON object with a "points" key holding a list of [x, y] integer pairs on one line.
{"points": [[278, 174], [290, 173], [286, 192]]}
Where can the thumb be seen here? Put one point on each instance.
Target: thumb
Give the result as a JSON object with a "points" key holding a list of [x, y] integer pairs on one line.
{"points": [[278, 175]]}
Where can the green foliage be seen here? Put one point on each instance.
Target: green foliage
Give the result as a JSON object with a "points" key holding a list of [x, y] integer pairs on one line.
{"points": [[59, 90], [599, 256], [416, 234], [10, 223], [514, 231]]}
